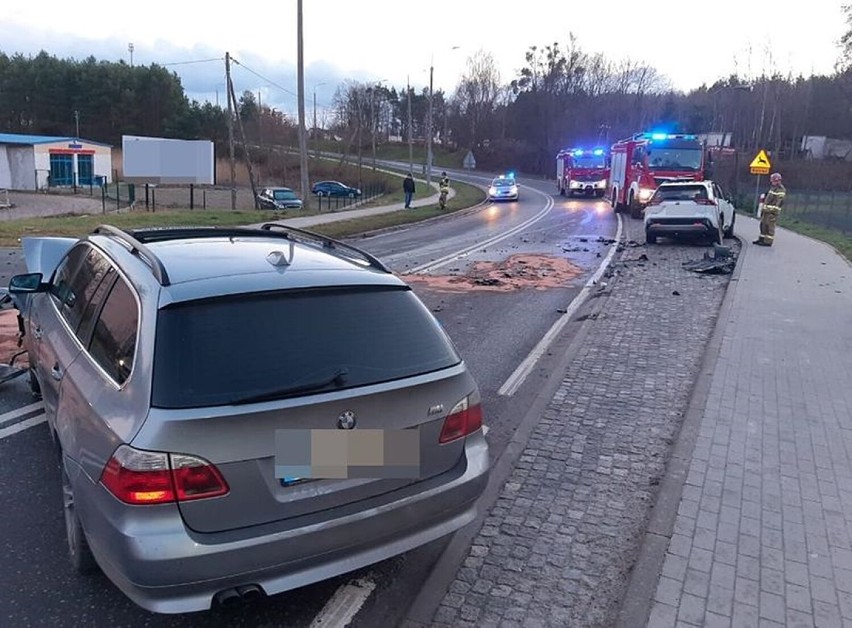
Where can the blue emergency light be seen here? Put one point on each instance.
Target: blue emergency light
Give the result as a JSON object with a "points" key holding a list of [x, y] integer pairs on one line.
{"points": [[578, 153], [599, 151]]}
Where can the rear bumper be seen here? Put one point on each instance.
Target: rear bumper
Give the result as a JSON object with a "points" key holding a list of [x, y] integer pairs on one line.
{"points": [[165, 568], [680, 226]]}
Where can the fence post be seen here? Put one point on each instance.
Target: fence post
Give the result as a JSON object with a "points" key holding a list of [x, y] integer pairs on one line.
{"points": [[154, 199], [103, 197], [191, 196], [147, 194], [204, 199], [117, 196]]}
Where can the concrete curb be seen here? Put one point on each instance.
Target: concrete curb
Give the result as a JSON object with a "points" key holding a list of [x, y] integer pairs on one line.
{"points": [[644, 575], [424, 606]]}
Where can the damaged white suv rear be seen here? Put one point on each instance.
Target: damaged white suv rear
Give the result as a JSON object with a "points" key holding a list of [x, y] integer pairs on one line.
{"points": [[696, 209]]}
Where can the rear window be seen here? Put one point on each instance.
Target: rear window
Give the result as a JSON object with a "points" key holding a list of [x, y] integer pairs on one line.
{"points": [[229, 350], [680, 193]]}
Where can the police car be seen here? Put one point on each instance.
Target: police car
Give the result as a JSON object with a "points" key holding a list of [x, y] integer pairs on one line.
{"points": [[503, 188]]}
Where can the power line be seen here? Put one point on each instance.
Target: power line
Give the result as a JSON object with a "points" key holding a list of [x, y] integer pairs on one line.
{"points": [[260, 76], [195, 61]]}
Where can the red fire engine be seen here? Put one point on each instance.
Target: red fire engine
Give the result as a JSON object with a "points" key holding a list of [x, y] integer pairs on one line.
{"points": [[582, 171], [644, 161]]}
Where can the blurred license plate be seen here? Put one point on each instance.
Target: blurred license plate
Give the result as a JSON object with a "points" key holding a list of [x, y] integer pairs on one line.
{"points": [[346, 454]]}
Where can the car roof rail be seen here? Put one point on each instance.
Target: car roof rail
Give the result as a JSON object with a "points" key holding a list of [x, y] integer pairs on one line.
{"points": [[137, 248], [157, 234], [309, 237]]}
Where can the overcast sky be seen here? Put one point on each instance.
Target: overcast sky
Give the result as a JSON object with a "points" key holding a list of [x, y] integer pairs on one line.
{"points": [[371, 40]]}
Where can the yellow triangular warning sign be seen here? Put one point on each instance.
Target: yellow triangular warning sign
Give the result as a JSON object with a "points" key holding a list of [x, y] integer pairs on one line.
{"points": [[761, 161]]}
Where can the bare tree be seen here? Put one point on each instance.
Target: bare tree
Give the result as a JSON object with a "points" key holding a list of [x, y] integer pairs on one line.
{"points": [[477, 93]]}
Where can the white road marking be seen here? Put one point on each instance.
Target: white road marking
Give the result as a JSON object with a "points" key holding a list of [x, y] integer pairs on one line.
{"points": [[344, 604], [424, 268], [38, 419], [514, 381], [14, 414]]}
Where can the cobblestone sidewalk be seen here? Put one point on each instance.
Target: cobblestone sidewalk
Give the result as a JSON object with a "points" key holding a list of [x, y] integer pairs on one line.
{"points": [[557, 547]]}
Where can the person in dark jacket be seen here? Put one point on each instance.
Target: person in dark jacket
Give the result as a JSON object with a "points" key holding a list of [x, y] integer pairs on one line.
{"points": [[408, 188]]}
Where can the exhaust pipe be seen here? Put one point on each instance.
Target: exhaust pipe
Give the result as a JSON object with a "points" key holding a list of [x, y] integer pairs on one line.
{"points": [[251, 592], [229, 598]]}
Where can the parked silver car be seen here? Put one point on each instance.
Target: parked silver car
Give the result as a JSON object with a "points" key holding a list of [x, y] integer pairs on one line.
{"points": [[240, 412]]}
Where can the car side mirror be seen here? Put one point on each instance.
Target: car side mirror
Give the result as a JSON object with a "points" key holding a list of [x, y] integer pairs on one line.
{"points": [[28, 283]]}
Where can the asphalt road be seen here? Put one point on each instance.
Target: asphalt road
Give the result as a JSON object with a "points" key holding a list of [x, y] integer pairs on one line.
{"points": [[493, 330]]}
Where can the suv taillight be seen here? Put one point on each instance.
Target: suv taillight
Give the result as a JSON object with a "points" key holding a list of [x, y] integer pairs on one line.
{"points": [[463, 419], [705, 201], [147, 477]]}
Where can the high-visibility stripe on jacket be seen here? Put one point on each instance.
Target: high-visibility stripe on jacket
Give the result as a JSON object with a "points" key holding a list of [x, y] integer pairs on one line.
{"points": [[775, 198]]}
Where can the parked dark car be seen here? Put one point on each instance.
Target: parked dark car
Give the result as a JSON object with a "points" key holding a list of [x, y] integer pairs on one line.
{"points": [[334, 188], [278, 198]]}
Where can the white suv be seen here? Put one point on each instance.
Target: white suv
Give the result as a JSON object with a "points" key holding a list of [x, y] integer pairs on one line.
{"points": [[690, 208]]}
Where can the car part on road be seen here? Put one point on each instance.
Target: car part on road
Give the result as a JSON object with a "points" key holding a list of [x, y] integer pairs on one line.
{"points": [[722, 262]]}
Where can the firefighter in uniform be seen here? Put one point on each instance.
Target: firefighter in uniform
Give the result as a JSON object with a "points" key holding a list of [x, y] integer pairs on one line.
{"points": [[771, 208]]}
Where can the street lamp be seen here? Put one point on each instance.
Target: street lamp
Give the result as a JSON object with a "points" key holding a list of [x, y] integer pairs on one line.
{"points": [[429, 120], [130, 48]]}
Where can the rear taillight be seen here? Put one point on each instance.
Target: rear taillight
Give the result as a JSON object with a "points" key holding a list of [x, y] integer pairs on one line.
{"points": [[705, 201], [147, 477], [463, 419]]}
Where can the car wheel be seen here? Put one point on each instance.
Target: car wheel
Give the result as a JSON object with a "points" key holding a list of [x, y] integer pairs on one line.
{"points": [[614, 200], [635, 208], [729, 232], [650, 238], [78, 547], [351, 194]]}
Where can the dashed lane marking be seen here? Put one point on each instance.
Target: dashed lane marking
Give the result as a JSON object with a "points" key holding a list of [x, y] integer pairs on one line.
{"points": [[344, 604]]}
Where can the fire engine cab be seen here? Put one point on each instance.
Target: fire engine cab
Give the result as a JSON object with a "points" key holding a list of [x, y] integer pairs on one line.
{"points": [[582, 171], [642, 162]]}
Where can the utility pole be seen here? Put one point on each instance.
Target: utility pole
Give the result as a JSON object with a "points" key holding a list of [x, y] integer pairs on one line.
{"points": [[259, 120], [245, 147], [77, 123], [373, 122], [303, 143], [410, 142], [130, 50], [231, 130], [429, 131]]}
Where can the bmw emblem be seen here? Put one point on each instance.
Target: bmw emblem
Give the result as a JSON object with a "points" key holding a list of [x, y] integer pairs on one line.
{"points": [[346, 421]]}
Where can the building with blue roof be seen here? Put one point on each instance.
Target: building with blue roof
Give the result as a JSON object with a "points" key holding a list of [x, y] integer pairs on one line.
{"points": [[38, 162]]}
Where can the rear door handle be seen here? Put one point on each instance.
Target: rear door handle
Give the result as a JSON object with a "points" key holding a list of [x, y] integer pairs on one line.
{"points": [[56, 372]]}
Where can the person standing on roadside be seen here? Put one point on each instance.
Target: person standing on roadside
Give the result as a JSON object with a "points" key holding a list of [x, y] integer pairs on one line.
{"points": [[771, 208], [408, 188]]}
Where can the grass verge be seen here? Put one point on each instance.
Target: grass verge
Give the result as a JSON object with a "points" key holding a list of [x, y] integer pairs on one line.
{"points": [[78, 225], [842, 242]]}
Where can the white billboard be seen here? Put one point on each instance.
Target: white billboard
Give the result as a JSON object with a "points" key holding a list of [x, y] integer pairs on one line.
{"points": [[163, 160]]}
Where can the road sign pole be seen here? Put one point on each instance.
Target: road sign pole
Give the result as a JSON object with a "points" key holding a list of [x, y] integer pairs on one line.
{"points": [[757, 196]]}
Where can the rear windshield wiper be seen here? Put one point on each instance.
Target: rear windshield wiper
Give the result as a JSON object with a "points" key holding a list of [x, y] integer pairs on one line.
{"points": [[338, 378]]}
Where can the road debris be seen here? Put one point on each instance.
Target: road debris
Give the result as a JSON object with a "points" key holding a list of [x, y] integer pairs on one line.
{"points": [[722, 262]]}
